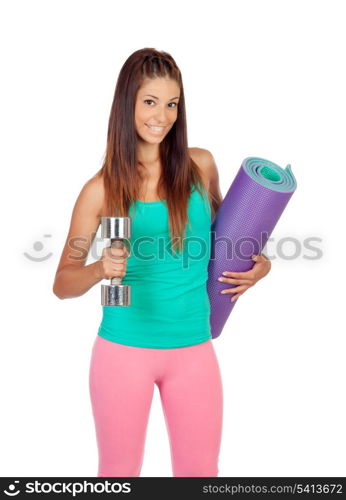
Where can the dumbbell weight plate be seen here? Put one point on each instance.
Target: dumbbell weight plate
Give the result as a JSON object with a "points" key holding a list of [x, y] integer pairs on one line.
{"points": [[116, 295]]}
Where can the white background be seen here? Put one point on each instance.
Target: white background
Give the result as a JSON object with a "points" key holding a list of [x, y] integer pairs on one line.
{"points": [[261, 79]]}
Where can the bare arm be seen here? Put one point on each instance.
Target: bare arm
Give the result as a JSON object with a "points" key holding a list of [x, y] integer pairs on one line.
{"points": [[72, 282], [72, 277]]}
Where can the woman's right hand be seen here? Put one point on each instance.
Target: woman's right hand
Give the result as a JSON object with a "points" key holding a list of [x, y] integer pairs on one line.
{"points": [[113, 262]]}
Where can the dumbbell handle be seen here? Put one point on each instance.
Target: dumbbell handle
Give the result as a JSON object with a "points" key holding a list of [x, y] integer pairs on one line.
{"points": [[116, 243]]}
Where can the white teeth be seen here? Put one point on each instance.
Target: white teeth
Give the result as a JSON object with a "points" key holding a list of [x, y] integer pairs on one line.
{"points": [[157, 129]]}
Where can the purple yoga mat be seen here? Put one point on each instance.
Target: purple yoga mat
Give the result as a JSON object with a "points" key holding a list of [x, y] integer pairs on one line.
{"points": [[244, 222]]}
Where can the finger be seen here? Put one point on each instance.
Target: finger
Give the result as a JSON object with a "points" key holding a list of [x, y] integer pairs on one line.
{"points": [[247, 275], [236, 289], [260, 258], [114, 251], [235, 281], [117, 255], [118, 260]]}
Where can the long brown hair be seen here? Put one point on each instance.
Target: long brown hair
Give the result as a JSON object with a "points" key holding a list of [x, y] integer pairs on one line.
{"points": [[121, 176]]}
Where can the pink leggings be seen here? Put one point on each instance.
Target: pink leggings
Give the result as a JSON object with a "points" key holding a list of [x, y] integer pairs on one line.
{"points": [[121, 383]]}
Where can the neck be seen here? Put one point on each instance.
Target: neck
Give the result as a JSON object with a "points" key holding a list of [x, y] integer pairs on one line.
{"points": [[148, 154]]}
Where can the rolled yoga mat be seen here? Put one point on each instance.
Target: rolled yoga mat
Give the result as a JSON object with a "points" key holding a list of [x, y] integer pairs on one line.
{"points": [[242, 226]]}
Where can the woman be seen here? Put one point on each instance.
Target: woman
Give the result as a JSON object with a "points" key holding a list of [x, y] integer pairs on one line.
{"points": [[171, 193]]}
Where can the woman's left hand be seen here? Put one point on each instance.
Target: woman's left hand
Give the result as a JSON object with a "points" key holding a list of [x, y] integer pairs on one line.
{"points": [[246, 279]]}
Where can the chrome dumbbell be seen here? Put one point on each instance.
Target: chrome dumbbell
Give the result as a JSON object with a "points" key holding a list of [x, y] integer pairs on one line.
{"points": [[118, 230]]}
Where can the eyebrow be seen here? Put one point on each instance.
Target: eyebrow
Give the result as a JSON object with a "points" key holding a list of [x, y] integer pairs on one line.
{"points": [[177, 97]]}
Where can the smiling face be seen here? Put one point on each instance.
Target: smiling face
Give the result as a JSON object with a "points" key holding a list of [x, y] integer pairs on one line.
{"points": [[156, 108]]}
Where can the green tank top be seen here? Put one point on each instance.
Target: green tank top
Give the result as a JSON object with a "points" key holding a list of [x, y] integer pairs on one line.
{"points": [[169, 301]]}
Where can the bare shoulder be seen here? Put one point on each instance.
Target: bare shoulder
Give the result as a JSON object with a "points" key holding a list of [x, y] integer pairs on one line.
{"points": [[84, 224], [205, 161], [93, 193], [209, 172], [202, 158]]}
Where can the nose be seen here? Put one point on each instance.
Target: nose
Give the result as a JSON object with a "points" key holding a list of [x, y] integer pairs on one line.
{"points": [[161, 115]]}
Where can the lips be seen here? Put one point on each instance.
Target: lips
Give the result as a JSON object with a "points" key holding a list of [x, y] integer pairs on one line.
{"points": [[155, 129]]}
